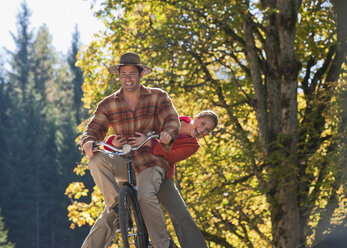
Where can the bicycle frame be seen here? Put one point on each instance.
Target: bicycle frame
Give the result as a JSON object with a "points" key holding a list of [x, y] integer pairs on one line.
{"points": [[127, 197]]}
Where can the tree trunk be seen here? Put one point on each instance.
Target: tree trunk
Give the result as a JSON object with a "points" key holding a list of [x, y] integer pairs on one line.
{"points": [[278, 121], [286, 228]]}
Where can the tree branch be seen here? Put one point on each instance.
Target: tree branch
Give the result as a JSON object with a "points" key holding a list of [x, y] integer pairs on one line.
{"points": [[260, 93], [305, 83], [320, 72], [216, 239]]}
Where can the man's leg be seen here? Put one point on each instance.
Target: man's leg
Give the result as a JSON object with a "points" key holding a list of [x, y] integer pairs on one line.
{"points": [[105, 170], [187, 232], [102, 232], [148, 184]]}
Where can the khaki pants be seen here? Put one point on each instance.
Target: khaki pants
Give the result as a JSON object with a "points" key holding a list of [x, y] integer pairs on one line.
{"points": [[188, 234], [148, 184], [102, 232], [108, 172]]}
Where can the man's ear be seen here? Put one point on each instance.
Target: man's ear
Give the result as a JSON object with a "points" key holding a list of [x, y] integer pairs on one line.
{"points": [[141, 75]]}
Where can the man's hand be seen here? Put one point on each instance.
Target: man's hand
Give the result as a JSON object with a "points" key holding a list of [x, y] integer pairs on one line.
{"points": [[119, 141], [165, 137], [137, 140], [88, 148]]}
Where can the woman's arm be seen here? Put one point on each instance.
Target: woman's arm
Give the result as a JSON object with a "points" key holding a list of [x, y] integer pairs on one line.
{"points": [[180, 150]]}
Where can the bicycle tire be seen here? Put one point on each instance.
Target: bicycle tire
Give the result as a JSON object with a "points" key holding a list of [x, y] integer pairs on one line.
{"points": [[133, 230]]}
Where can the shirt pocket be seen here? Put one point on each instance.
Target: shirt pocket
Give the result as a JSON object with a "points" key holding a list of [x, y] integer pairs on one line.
{"points": [[148, 117]]}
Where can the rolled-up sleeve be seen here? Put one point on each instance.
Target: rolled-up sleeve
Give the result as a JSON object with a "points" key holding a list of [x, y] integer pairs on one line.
{"points": [[169, 117], [98, 126]]}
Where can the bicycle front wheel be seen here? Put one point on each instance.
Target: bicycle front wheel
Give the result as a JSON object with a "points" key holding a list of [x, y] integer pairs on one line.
{"points": [[133, 230]]}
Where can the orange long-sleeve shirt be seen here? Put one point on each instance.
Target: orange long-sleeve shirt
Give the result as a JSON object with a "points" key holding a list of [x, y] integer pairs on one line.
{"points": [[182, 148]]}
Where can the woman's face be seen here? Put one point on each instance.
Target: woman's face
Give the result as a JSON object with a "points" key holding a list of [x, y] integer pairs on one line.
{"points": [[201, 127]]}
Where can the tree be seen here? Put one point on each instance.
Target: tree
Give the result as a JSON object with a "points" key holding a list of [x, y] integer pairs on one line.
{"points": [[3, 235], [37, 131], [43, 60], [21, 58], [17, 153], [4, 107], [272, 69], [77, 76]]}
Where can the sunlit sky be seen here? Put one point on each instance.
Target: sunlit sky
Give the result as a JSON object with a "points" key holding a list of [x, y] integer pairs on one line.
{"points": [[59, 15]]}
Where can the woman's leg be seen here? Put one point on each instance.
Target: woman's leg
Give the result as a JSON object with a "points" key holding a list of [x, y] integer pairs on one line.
{"points": [[188, 234]]}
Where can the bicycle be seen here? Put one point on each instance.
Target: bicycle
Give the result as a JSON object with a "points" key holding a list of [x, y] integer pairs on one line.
{"points": [[133, 229]]}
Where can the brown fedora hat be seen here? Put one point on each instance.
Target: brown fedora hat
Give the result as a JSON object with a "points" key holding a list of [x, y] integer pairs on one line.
{"points": [[130, 59]]}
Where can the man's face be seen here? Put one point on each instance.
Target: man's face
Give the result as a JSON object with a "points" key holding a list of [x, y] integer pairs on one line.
{"points": [[129, 77], [201, 127]]}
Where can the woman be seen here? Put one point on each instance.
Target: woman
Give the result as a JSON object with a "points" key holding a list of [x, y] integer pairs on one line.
{"points": [[185, 145]]}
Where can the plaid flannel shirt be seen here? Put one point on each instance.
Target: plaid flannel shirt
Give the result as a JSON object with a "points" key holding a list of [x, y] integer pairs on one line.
{"points": [[154, 112]]}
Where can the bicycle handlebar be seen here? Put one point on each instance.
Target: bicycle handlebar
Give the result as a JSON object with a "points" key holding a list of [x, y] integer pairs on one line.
{"points": [[126, 148]]}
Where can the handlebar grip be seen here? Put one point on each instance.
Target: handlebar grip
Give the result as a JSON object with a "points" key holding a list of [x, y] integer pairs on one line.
{"points": [[94, 145]]}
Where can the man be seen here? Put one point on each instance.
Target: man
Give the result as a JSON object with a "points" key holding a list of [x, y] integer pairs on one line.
{"points": [[133, 109]]}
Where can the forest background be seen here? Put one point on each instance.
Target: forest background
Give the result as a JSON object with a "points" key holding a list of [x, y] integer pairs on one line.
{"points": [[273, 174]]}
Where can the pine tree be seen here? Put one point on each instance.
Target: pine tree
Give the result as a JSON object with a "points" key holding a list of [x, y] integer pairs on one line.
{"points": [[19, 138], [77, 76], [21, 58], [4, 126], [38, 107], [32, 169], [43, 60]]}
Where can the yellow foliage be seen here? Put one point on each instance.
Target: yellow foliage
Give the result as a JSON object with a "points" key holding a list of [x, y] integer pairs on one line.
{"points": [[202, 67], [76, 190]]}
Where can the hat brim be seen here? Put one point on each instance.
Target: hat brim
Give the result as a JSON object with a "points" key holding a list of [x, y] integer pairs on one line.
{"points": [[115, 68]]}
